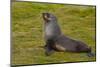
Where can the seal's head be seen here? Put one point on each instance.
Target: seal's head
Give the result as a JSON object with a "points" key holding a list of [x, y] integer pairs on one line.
{"points": [[48, 17]]}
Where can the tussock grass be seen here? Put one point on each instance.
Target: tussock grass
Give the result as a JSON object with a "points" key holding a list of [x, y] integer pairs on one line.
{"points": [[77, 22]]}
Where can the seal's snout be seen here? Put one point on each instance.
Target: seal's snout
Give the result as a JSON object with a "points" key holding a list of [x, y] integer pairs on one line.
{"points": [[46, 16]]}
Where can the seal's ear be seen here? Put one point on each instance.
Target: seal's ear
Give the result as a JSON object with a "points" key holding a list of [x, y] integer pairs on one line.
{"points": [[46, 16]]}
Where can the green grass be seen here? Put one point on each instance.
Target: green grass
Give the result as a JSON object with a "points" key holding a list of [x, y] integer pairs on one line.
{"points": [[77, 22]]}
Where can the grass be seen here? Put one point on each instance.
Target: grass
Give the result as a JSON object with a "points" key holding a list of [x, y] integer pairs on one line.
{"points": [[77, 22]]}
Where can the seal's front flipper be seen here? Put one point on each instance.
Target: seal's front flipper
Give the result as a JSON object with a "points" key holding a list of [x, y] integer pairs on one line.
{"points": [[48, 51]]}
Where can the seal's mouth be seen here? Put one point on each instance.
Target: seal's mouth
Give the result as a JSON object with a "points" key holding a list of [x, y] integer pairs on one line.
{"points": [[46, 16]]}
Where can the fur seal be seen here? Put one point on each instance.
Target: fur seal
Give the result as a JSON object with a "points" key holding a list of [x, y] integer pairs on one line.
{"points": [[56, 41]]}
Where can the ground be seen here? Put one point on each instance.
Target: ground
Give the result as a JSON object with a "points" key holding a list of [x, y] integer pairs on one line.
{"points": [[77, 22]]}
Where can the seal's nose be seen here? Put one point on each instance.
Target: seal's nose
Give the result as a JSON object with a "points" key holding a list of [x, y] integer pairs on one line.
{"points": [[45, 15]]}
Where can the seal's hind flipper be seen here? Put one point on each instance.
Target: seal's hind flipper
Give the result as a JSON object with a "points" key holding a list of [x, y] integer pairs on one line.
{"points": [[90, 54]]}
